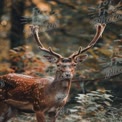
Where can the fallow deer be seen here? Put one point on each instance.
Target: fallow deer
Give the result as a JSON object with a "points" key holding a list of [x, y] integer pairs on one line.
{"points": [[50, 94]]}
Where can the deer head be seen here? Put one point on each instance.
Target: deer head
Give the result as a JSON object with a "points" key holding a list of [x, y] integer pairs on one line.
{"points": [[66, 66]]}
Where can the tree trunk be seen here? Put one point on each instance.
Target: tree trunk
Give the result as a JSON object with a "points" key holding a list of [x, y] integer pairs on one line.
{"points": [[1, 7], [16, 32]]}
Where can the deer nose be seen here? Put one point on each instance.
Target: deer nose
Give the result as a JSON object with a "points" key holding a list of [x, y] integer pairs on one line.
{"points": [[67, 75]]}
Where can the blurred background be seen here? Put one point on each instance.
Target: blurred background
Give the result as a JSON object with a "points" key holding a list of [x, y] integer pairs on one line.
{"points": [[65, 25]]}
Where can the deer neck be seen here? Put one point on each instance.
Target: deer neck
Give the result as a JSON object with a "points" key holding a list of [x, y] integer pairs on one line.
{"points": [[60, 84]]}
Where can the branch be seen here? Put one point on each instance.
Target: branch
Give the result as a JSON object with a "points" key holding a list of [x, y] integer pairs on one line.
{"points": [[66, 3]]}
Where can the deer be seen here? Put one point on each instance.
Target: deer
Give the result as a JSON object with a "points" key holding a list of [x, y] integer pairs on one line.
{"points": [[46, 95]]}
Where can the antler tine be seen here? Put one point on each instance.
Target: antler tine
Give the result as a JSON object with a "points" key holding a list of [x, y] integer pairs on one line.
{"points": [[41, 46], [76, 53], [54, 53], [99, 31], [36, 36]]}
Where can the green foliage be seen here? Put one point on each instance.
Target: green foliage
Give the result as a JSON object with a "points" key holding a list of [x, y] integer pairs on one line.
{"points": [[94, 102], [95, 106]]}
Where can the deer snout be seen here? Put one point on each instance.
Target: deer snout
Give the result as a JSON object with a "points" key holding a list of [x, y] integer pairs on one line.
{"points": [[67, 75]]}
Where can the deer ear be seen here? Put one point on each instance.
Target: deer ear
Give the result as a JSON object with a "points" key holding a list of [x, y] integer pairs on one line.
{"points": [[81, 58], [51, 59]]}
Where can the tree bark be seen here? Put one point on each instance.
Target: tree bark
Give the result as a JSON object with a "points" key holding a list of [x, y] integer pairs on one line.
{"points": [[16, 32], [1, 7]]}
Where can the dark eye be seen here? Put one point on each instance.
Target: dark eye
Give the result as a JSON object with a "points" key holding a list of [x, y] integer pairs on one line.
{"points": [[64, 66], [74, 65], [58, 65]]}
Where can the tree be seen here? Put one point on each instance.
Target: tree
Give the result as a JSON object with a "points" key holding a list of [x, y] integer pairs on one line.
{"points": [[16, 32], [1, 7]]}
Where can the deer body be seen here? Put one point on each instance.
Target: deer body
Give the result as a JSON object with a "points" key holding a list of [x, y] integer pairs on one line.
{"points": [[26, 88], [41, 94], [45, 95]]}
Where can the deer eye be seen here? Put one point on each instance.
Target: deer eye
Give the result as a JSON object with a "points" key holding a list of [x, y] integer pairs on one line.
{"points": [[64, 66], [74, 65], [58, 65]]}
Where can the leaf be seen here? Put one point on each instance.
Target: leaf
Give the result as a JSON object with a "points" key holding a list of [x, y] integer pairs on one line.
{"points": [[107, 103], [73, 110]]}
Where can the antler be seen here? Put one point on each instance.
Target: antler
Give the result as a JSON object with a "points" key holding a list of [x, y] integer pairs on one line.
{"points": [[35, 30], [99, 30]]}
